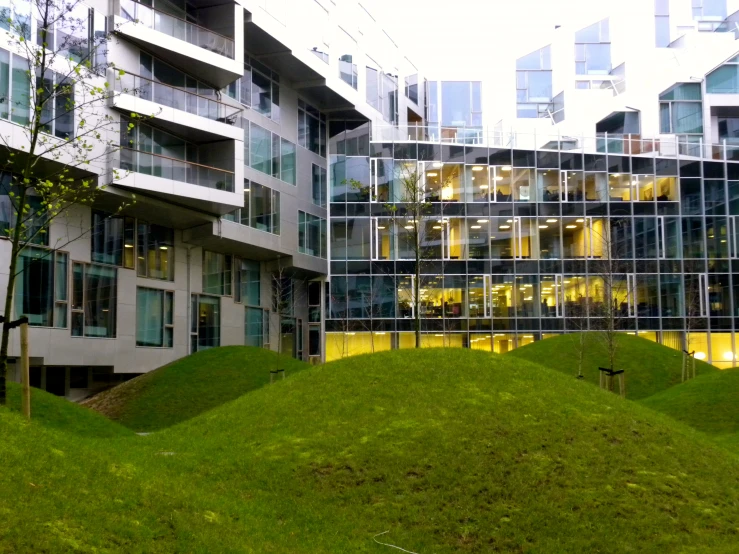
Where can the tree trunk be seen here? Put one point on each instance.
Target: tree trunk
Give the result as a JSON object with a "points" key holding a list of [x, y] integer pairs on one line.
{"points": [[417, 302], [8, 315]]}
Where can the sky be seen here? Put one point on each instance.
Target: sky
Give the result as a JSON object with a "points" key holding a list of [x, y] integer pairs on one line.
{"points": [[442, 35]]}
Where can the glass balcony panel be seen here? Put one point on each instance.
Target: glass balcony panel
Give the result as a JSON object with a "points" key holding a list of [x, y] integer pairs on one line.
{"points": [[177, 170], [177, 28]]}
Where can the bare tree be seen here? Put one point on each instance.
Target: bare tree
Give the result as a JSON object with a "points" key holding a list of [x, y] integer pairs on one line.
{"points": [[67, 137], [288, 289], [694, 319], [615, 290]]}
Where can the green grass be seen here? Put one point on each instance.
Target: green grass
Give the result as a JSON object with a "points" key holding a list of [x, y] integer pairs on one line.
{"points": [[649, 367], [190, 386], [449, 450], [52, 411], [708, 403]]}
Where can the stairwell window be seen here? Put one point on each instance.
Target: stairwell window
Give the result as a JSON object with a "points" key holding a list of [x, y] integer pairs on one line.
{"points": [[154, 317], [94, 299], [217, 273]]}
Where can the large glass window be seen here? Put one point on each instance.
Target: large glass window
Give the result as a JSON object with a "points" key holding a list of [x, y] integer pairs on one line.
{"points": [[319, 186], [155, 251], [55, 97], [681, 109], [593, 49], [16, 17], [41, 287], [33, 229], [248, 282], [205, 325], [94, 297], [254, 327], [534, 84], [217, 269], [112, 239], [265, 91], [311, 129], [311, 235], [15, 88], [662, 23], [154, 317], [725, 79], [271, 154]]}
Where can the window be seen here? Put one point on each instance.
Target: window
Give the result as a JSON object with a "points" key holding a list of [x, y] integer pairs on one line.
{"points": [[382, 93], [461, 103], [411, 88], [713, 9], [265, 91], [94, 300], [248, 282], [254, 327], [261, 208], [662, 23], [534, 84], [216, 273], [282, 295], [311, 129], [33, 230], [155, 251], [681, 109], [41, 287], [269, 153], [311, 235], [15, 88], [69, 34], [154, 317], [725, 79], [112, 239], [56, 99], [319, 186], [593, 49], [348, 70], [205, 324], [16, 17]]}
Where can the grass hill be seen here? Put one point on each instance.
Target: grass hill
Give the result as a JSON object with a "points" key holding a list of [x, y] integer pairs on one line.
{"points": [[189, 386], [448, 450], [52, 411], [650, 367], [709, 403]]}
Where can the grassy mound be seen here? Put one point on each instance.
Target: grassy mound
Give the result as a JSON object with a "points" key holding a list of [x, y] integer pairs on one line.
{"points": [[708, 403], [448, 450], [190, 386], [650, 367], [52, 411]]}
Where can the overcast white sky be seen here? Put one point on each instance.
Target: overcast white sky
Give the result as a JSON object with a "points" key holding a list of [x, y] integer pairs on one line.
{"points": [[442, 34]]}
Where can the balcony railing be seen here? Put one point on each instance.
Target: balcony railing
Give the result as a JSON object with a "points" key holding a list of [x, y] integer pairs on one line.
{"points": [[177, 98], [668, 146], [157, 165], [178, 28]]}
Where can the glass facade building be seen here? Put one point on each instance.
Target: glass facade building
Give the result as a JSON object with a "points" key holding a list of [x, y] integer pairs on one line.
{"points": [[518, 245]]}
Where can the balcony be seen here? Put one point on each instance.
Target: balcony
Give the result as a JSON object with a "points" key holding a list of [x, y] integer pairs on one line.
{"points": [[191, 115], [211, 56], [190, 184]]}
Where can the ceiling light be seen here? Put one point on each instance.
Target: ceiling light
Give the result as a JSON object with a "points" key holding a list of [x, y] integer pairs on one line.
{"points": [[380, 226], [729, 356], [580, 220], [509, 221], [504, 227], [700, 355], [616, 175], [431, 174], [482, 220], [477, 168], [438, 335], [506, 168], [571, 226], [543, 226], [437, 227], [246, 190], [473, 178], [164, 248], [528, 336], [380, 332], [437, 165], [409, 226], [551, 221], [498, 178], [128, 245], [475, 226], [483, 187]]}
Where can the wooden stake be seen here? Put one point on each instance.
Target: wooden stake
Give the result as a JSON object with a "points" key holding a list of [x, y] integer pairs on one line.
{"points": [[25, 373]]}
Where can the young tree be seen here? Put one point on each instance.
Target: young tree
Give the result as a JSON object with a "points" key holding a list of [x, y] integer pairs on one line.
{"points": [[615, 288], [694, 319], [60, 100], [287, 290]]}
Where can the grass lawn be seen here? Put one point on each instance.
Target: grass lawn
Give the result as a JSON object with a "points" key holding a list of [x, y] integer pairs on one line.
{"points": [[450, 450], [709, 403], [649, 367], [190, 386], [52, 411]]}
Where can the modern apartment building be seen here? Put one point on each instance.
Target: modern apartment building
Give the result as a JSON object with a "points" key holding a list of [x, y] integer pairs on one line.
{"points": [[271, 151]]}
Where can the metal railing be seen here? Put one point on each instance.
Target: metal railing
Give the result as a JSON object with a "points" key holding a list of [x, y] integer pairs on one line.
{"points": [[177, 98], [668, 146], [177, 28], [165, 167]]}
